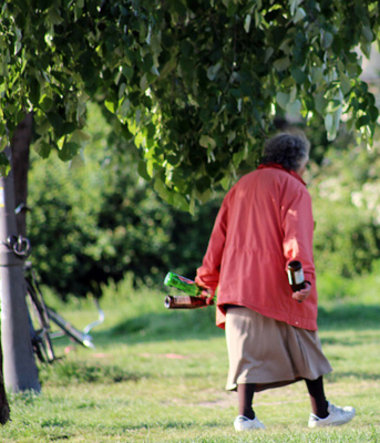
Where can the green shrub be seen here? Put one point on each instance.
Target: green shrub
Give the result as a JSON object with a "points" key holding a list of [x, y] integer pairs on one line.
{"points": [[96, 219], [346, 200]]}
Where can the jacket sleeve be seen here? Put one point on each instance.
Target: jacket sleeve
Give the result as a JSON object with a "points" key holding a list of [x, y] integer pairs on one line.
{"points": [[208, 274], [298, 225]]}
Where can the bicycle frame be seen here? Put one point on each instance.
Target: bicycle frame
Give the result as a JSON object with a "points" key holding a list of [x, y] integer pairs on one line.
{"points": [[81, 337], [41, 338]]}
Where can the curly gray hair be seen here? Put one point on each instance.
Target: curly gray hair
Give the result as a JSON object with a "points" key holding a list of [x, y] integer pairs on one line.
{"points": [[287, 149]]}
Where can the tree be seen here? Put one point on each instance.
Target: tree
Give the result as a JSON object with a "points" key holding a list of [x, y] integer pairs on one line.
{"points": [[197, 84]]}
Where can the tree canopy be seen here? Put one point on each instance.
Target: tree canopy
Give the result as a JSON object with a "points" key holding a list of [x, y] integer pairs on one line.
{"points": [[195, 84]]}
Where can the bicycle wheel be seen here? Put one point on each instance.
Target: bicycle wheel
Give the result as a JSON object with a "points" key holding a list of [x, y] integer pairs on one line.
{"points": [[78, 336], [39, 327]]}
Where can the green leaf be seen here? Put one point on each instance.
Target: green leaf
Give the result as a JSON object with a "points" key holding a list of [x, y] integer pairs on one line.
{"points": [[179, 201], [78, 8], [141, 168], [205, 196], [345, 83], [110, 105], [282, 99], [54, 16], [247, 23], [294, 5], [281, 64], [294, 108], [373, 113], [300, 15], [367, 33], [238, 157], [327, 39], [4, 165], [212, 71], [317, 74], [366, 48], [363, 121], [162, 190], [69, 150], [293, 94], [42, 147], [320, 102], [329, 122], [203, 184], [56, 122], [298, 75], [68, 127], [332, 122], [144, 83], [207, 142], [226, 182], [46, 104], [268, 54], [79, 136], [34, 91]]}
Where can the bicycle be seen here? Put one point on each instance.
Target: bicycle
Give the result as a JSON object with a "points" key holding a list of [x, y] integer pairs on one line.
{"points": [[41, 316]]}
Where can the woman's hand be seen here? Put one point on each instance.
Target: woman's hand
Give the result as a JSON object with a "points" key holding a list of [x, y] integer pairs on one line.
{"points": [[209, 294], [302, 294]]}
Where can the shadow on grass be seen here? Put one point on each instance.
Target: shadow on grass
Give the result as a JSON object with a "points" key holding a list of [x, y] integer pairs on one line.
{"points": [[357, 375], [349, 315], [363, 335], [172, 424], [200, 323], [66, 372], [166, 325]]}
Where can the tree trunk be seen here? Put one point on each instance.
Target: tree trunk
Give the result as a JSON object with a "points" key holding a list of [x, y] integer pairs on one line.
{"points": [[21, 142], [20, 371], [20, 166], [4, 406]]}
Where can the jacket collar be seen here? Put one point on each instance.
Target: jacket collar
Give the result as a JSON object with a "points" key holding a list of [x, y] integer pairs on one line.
{"points": [[278, 166]]}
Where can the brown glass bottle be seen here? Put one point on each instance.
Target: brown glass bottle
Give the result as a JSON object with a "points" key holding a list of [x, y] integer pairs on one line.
{"points": [[185, 302], [295, 275]]}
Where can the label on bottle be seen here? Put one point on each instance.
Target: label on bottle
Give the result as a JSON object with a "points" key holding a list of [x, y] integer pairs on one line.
{"points": [[299, 277], [184, 302]]}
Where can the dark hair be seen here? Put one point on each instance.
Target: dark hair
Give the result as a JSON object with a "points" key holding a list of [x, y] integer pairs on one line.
{"points": [[286, 149]]}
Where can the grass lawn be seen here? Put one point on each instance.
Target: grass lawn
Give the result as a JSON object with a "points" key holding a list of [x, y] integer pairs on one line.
{"points": [[159, 375]]}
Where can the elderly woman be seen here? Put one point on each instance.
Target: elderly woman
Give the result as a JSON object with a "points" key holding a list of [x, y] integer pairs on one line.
{"points": [[265, 222]]}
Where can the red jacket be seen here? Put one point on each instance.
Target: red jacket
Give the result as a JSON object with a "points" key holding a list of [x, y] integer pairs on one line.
{"points": [[264, 222]]}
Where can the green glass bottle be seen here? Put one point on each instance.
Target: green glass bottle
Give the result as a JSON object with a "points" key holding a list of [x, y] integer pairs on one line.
{"points": [[182, 283]]}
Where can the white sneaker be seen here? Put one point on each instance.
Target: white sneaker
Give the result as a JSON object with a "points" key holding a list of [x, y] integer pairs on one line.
{"points": [[337, 416], [242, 423]]}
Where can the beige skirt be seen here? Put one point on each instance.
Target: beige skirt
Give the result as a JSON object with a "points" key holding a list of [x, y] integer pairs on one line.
{"points": [[270, 353]]}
